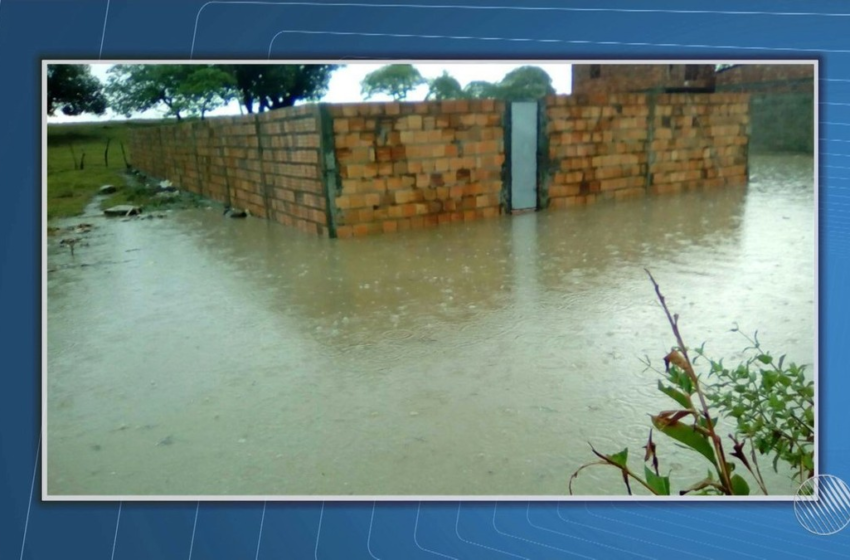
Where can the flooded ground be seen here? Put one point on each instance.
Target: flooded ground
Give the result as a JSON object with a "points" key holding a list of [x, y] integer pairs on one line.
{"points": [[202, 355]]}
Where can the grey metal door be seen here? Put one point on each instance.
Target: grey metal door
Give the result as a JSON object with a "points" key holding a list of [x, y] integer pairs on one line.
{"points": [[523, 155]]}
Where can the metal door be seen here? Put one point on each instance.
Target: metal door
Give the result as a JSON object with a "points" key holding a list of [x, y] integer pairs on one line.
{"points": [[523, 155]]}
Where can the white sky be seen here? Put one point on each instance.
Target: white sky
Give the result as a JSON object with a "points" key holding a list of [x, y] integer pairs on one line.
{"points": [[344, 86]]}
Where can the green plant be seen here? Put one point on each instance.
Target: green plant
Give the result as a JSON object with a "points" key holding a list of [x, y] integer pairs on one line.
{"points": [[773, 405], [773, 409]]}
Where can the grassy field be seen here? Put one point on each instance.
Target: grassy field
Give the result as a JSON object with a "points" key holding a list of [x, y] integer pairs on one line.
{"points": [[71, 187]]}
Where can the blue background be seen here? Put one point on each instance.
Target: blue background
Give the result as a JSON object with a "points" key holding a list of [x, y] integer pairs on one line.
{"points": [[32, 30]]}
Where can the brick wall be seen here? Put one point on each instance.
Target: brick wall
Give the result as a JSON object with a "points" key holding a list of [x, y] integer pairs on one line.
{"points": [[268, 164], [775, 78], [412, 165], [782, 104], [623, 145], [357, 169], [618, 78]]}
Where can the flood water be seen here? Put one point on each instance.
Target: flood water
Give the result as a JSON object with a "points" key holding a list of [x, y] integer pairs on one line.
{"points": [[202, 355]]}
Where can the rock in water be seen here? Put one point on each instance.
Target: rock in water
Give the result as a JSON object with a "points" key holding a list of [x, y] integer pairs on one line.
{"points": [[123, 210], [107, 189], [238, 213]]}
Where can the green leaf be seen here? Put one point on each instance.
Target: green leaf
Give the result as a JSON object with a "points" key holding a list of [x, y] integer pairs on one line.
{"points": [[679, 377], [685, 434], [765, 358], [677, 396], [740, 486], [768, 380], [620, 458], [810, 416], [661, 484], [776, 403], [704, 422], [808, 461]]}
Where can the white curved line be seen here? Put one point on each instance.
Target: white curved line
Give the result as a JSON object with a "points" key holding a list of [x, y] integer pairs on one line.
{"points": [[416, 541], [558, 41], [369, 538], [463, 540], [32, 487], [506, 8]]}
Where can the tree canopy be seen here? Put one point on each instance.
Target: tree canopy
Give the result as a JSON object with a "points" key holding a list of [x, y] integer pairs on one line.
{"points": [[184, 89], [195, 89], [395, 80], [398, 80], [444, 87], [526, 82], [72, 89], [274, 86], [481, 90]]}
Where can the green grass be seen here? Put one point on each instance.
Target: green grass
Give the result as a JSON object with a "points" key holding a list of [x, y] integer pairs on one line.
{"points": [[69, 190]]}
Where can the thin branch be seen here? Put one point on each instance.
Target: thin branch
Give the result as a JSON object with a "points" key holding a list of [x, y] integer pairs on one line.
{"points": [[722, 467], [757, 472]]}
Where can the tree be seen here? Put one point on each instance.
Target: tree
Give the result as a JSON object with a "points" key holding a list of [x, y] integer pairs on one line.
{"points": [[184, 89], [136, 88], [73, 89], [395, 80], [481, 90], [274, 86], [206, 88], [445, 87], [526, 82]]}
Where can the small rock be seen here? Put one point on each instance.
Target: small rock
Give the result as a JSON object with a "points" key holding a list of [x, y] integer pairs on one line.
{"points": [[70, 242], [107, 189], [123, 210], [167, 195], [236, 212]]}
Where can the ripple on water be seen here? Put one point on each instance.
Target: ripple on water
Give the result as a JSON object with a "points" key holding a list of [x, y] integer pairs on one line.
{"points": [[510, 338]]}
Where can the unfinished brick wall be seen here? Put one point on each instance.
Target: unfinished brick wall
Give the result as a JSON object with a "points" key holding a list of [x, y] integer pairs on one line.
{"points": [[357, 169], [699, 140], [623, 145], [775, 78], [268, 164], [782, 104], [628, 78], [597, 147], [413, 165]]}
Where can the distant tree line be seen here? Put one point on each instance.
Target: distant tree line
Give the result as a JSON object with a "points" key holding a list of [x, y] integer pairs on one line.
{"points": [[398, 80], [183, 90], [73, 90], [193, 90]]}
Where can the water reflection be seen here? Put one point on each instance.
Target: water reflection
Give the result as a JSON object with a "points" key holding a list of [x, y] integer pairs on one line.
{"points": [[203, 355]]}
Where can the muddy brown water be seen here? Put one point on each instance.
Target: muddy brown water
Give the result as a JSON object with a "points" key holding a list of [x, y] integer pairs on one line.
{"points": [[201, 355]]}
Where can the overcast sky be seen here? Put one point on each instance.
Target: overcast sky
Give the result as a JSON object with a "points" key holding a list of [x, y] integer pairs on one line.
{"points": [[344, 86]]}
